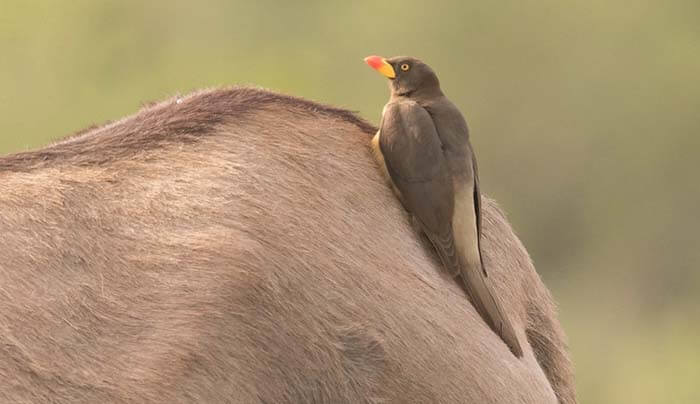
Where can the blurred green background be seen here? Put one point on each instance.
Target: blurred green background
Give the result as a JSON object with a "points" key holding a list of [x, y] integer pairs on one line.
{"points": [[584, 115]]}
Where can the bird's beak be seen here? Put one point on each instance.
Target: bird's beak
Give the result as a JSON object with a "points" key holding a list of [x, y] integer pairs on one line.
{"points": [[380, 64]]}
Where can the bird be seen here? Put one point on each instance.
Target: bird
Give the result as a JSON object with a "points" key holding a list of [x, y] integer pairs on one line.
{"points": [[423, 148]]}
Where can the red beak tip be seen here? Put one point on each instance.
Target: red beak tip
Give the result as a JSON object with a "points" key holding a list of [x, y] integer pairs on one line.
{"points": [[374, 61]]}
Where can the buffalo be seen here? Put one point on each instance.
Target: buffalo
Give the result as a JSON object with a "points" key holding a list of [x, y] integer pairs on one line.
{"points": [[238, 245]]}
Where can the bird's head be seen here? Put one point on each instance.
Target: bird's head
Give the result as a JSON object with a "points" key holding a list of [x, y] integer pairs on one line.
{"points": [[408, 76]]}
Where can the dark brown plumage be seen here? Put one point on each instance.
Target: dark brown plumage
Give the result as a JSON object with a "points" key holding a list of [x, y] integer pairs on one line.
{"points": [[423, 141]]}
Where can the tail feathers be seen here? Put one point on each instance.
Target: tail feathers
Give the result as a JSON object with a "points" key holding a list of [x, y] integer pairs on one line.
{"points": [[490, 309], [475, 283]]}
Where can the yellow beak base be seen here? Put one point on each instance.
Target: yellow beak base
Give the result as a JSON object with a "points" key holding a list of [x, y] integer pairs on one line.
{"points": [[380, 64], [386, 70]]}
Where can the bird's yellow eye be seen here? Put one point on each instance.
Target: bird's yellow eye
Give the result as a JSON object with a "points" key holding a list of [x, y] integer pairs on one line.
{"points": [[405, 67]]}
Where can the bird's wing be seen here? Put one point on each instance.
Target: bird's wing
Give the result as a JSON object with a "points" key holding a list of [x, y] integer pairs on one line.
{"points": [[476, 283], [477, 210], [416, 164]]}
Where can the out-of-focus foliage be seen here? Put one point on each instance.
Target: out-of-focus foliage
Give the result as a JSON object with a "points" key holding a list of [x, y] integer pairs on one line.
{"points": [[585, 117]]}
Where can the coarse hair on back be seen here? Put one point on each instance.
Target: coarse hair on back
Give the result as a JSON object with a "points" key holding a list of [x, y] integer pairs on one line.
{"points": [[183, 120]]}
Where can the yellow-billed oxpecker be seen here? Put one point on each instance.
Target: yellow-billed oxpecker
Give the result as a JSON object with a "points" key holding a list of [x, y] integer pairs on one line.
{"points": [[423, 146]]}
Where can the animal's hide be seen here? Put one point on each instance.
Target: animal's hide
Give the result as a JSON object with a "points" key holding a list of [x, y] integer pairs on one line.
{"points": [[238, 245]]}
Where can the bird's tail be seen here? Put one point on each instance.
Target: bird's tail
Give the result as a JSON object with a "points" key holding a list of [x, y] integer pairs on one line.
{"points": [[489, 307], [477, 287]]}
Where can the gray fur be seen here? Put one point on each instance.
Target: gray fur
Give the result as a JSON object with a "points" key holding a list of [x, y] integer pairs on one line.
{"points": [[240, 247]]}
